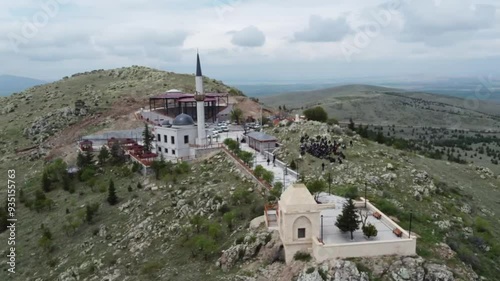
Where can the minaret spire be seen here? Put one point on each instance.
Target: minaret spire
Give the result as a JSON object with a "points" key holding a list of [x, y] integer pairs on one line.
{"points": [[199, 96], [198, 64]]}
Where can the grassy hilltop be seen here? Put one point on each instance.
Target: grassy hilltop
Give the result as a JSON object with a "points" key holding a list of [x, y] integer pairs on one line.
{"points": [[45, 116]]}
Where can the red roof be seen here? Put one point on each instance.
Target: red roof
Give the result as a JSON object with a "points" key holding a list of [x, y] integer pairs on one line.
{"points": [[148, 155], [178, 95], [193, 100]]}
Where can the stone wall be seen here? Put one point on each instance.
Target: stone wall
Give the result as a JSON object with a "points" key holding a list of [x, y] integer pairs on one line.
{"points": [[403, 247], [246, 170]]}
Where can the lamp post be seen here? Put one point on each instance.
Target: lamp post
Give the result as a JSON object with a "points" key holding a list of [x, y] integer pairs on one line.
{"points": [[322, 229], [365, 194], [329, 182], [284, 183], [409, 230]]}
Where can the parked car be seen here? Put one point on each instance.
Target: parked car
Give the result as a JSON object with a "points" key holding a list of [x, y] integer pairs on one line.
{"points": [[224, 129]]}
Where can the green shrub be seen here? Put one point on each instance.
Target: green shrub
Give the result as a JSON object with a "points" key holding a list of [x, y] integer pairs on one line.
{"points": [[332, 121], [310, 270], [317, 114], [151, 267], [302, 256], [352, 192], [245, 156], [469, 258], [268, 176], [370, 230], [387, 207], [259, 171], [322, 273], [239, 240], [481, 225], [86, 174]]}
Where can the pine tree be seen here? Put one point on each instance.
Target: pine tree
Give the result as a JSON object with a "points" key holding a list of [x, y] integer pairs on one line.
{"points": [[46, 182], [351, 125], [348, 221], [66, 181], [103, 155], [80, 160], [380, 138], [117, 154], [89, 158], [112, 198], [148, 139]]}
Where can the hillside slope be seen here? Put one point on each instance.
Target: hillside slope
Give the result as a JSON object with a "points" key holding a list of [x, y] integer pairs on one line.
{"points": [[379, 105], [45, 117]]}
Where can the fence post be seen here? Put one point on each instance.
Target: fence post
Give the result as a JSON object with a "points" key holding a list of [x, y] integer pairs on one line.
{"points": [[322, 229]]}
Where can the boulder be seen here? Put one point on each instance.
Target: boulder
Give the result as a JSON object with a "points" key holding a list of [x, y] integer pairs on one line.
{"points": [[311, 276], [346, 270], [406, 269], [437, 272]]}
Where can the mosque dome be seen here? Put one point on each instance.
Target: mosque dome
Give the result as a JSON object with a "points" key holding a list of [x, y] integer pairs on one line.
{"points": [[183, 120]]}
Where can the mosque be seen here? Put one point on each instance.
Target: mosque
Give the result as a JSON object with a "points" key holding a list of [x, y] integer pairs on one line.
{"points": [[178, 138]]}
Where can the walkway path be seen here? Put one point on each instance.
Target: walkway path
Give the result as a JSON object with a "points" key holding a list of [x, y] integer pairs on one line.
{"points": [[278, 170]]}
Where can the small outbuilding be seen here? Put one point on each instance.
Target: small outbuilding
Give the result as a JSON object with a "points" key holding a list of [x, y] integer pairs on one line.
{"points": [[261, 141]]}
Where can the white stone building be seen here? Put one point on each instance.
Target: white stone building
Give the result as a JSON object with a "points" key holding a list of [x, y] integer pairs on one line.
{"points": [[307, 226], [179, 139]]}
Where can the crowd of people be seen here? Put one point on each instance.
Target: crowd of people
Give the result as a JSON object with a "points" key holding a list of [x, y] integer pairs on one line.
{"points": [[322, 148]]}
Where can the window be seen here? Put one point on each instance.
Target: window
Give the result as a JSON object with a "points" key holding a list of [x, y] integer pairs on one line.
{"points": [[186, 139], [173, 151], [166, 150], [159, 149], [302, 233], [158, 137], [165, 138], [172, 139]]}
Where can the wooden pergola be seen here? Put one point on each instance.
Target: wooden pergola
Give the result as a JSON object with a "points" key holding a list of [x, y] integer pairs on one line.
{"points": [[175, 103]]}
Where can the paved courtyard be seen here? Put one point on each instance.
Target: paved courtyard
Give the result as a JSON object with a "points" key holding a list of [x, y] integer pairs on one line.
{"points": [[332, 235]]}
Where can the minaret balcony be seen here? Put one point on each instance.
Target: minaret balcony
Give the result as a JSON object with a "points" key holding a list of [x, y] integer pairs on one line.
{"points": [[198, 97]]}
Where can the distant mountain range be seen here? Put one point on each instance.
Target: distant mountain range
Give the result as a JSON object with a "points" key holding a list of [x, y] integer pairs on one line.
{"points": [[390, 106], [10, 84], [482, 88]]}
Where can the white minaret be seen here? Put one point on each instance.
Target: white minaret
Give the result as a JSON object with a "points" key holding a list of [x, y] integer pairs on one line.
{"points": [[200, 103]]}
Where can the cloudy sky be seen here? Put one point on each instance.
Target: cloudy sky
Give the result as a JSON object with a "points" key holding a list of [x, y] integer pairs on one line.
{"points": [[253, 40]]}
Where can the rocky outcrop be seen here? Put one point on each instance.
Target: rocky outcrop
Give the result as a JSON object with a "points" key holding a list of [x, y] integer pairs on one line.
{"points": [[346, 270], [268, 244], [47, 125], [308, 275]]}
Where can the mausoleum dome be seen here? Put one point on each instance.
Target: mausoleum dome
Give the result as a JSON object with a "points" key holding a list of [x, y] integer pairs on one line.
{"points": [[183, 120]]}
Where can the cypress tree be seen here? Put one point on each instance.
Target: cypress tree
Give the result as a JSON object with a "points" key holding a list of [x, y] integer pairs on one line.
{"points": [[148, 139], [103, 155], [46, 183], [348, 221], [112, 198]]}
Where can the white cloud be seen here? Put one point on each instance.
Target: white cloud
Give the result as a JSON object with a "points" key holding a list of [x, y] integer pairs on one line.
{"points": [[304, 37], [323, 30], [249, 36]]}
